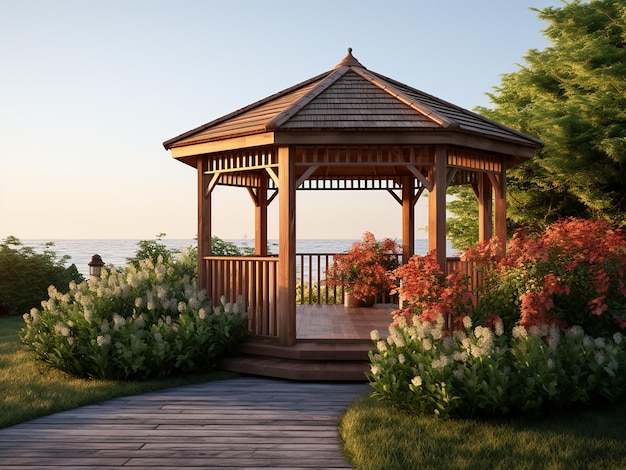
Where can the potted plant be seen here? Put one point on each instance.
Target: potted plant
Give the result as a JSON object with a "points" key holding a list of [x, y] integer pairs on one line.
{"points": [[363, 271]]}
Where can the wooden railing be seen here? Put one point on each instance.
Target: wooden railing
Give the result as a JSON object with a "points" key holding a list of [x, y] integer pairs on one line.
{"points": [[311, 285], [253, 279], [467, 268]]}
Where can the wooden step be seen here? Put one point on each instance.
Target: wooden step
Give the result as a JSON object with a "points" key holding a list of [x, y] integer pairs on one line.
{"points": [[319, 360], [293, 369], [310, 350]]}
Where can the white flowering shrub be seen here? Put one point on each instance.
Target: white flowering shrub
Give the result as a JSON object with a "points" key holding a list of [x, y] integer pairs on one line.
{"points": [[148, 320], [479, 371]]}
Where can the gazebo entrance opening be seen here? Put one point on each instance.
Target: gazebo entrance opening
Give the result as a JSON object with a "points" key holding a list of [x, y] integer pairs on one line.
{"points": [[405, 172]]}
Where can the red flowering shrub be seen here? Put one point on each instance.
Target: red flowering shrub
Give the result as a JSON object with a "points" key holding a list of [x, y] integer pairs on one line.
{"points": [[429, 294], [573, 274], [545, 334], [364, 270]]}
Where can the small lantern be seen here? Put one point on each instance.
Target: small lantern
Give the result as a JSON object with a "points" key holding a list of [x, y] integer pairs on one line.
{"points": [[95, 266]]}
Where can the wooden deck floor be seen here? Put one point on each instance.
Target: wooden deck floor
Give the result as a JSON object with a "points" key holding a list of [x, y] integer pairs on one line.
{"points": [[240, 423], [334, 322]]}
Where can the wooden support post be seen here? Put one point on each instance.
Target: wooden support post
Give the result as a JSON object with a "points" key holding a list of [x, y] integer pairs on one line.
{"points": [[437, 208], [286, 248], [204, 223], [500, 217], [408, 218], [485, 208], [260, 213]]}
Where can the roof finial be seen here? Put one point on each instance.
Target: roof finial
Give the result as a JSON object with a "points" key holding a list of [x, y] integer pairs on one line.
{"points": [[349, 61]]}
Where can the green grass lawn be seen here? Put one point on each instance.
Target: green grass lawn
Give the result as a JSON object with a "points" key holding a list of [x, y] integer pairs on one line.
{"points": [[30, 388], [377, 436]]}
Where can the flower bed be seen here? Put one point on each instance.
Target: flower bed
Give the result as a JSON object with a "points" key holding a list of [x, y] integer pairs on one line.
{"points": [[148, 320], [548, 327], [477, 371]]}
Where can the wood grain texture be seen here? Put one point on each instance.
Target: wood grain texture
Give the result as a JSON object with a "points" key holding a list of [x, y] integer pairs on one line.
{"points": [[240, 423]]}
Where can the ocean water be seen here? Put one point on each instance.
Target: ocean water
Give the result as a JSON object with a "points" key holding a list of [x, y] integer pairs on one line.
{"points": [[117, 251], [113, 251]]}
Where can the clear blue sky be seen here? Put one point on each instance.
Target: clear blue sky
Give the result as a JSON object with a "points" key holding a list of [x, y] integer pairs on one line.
{"points": [[89, 90]]}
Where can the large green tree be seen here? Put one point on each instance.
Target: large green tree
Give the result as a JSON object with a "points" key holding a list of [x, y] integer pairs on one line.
{"points": [[571, 95]]}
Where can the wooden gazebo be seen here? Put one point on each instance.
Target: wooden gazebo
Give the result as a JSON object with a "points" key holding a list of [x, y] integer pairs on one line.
{"points": [[346, 129]]}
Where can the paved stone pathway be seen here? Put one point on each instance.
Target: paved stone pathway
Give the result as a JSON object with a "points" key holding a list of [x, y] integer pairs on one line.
{"points": [[246, 422]]}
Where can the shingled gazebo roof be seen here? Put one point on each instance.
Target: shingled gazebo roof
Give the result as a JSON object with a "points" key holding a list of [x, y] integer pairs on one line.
{"points": [[352, 98]]}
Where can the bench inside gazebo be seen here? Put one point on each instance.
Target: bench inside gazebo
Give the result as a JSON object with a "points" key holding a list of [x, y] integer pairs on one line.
{"points": [[346, 129]]}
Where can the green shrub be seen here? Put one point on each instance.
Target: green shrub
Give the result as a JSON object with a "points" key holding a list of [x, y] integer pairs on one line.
{"points": [[137, 323], [477, 371], [529, 351], [25, 275], [221, 247], [315, 293], [153, 249], [572, 274]]}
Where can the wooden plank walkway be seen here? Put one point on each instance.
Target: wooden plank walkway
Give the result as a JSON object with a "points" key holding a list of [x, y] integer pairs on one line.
{"points": [[246, 422]]}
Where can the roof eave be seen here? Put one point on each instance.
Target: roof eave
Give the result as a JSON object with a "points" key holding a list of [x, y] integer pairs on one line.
{"points": [[358, 136], [170, 143], [261, 139], [395, 83]]}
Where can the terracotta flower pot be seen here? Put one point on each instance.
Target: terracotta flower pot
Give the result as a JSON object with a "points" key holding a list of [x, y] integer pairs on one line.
{"points": [[350, 301]]}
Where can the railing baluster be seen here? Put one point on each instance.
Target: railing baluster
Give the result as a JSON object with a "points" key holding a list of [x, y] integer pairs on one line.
{"points": [[310, 282], [318, 284]]}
